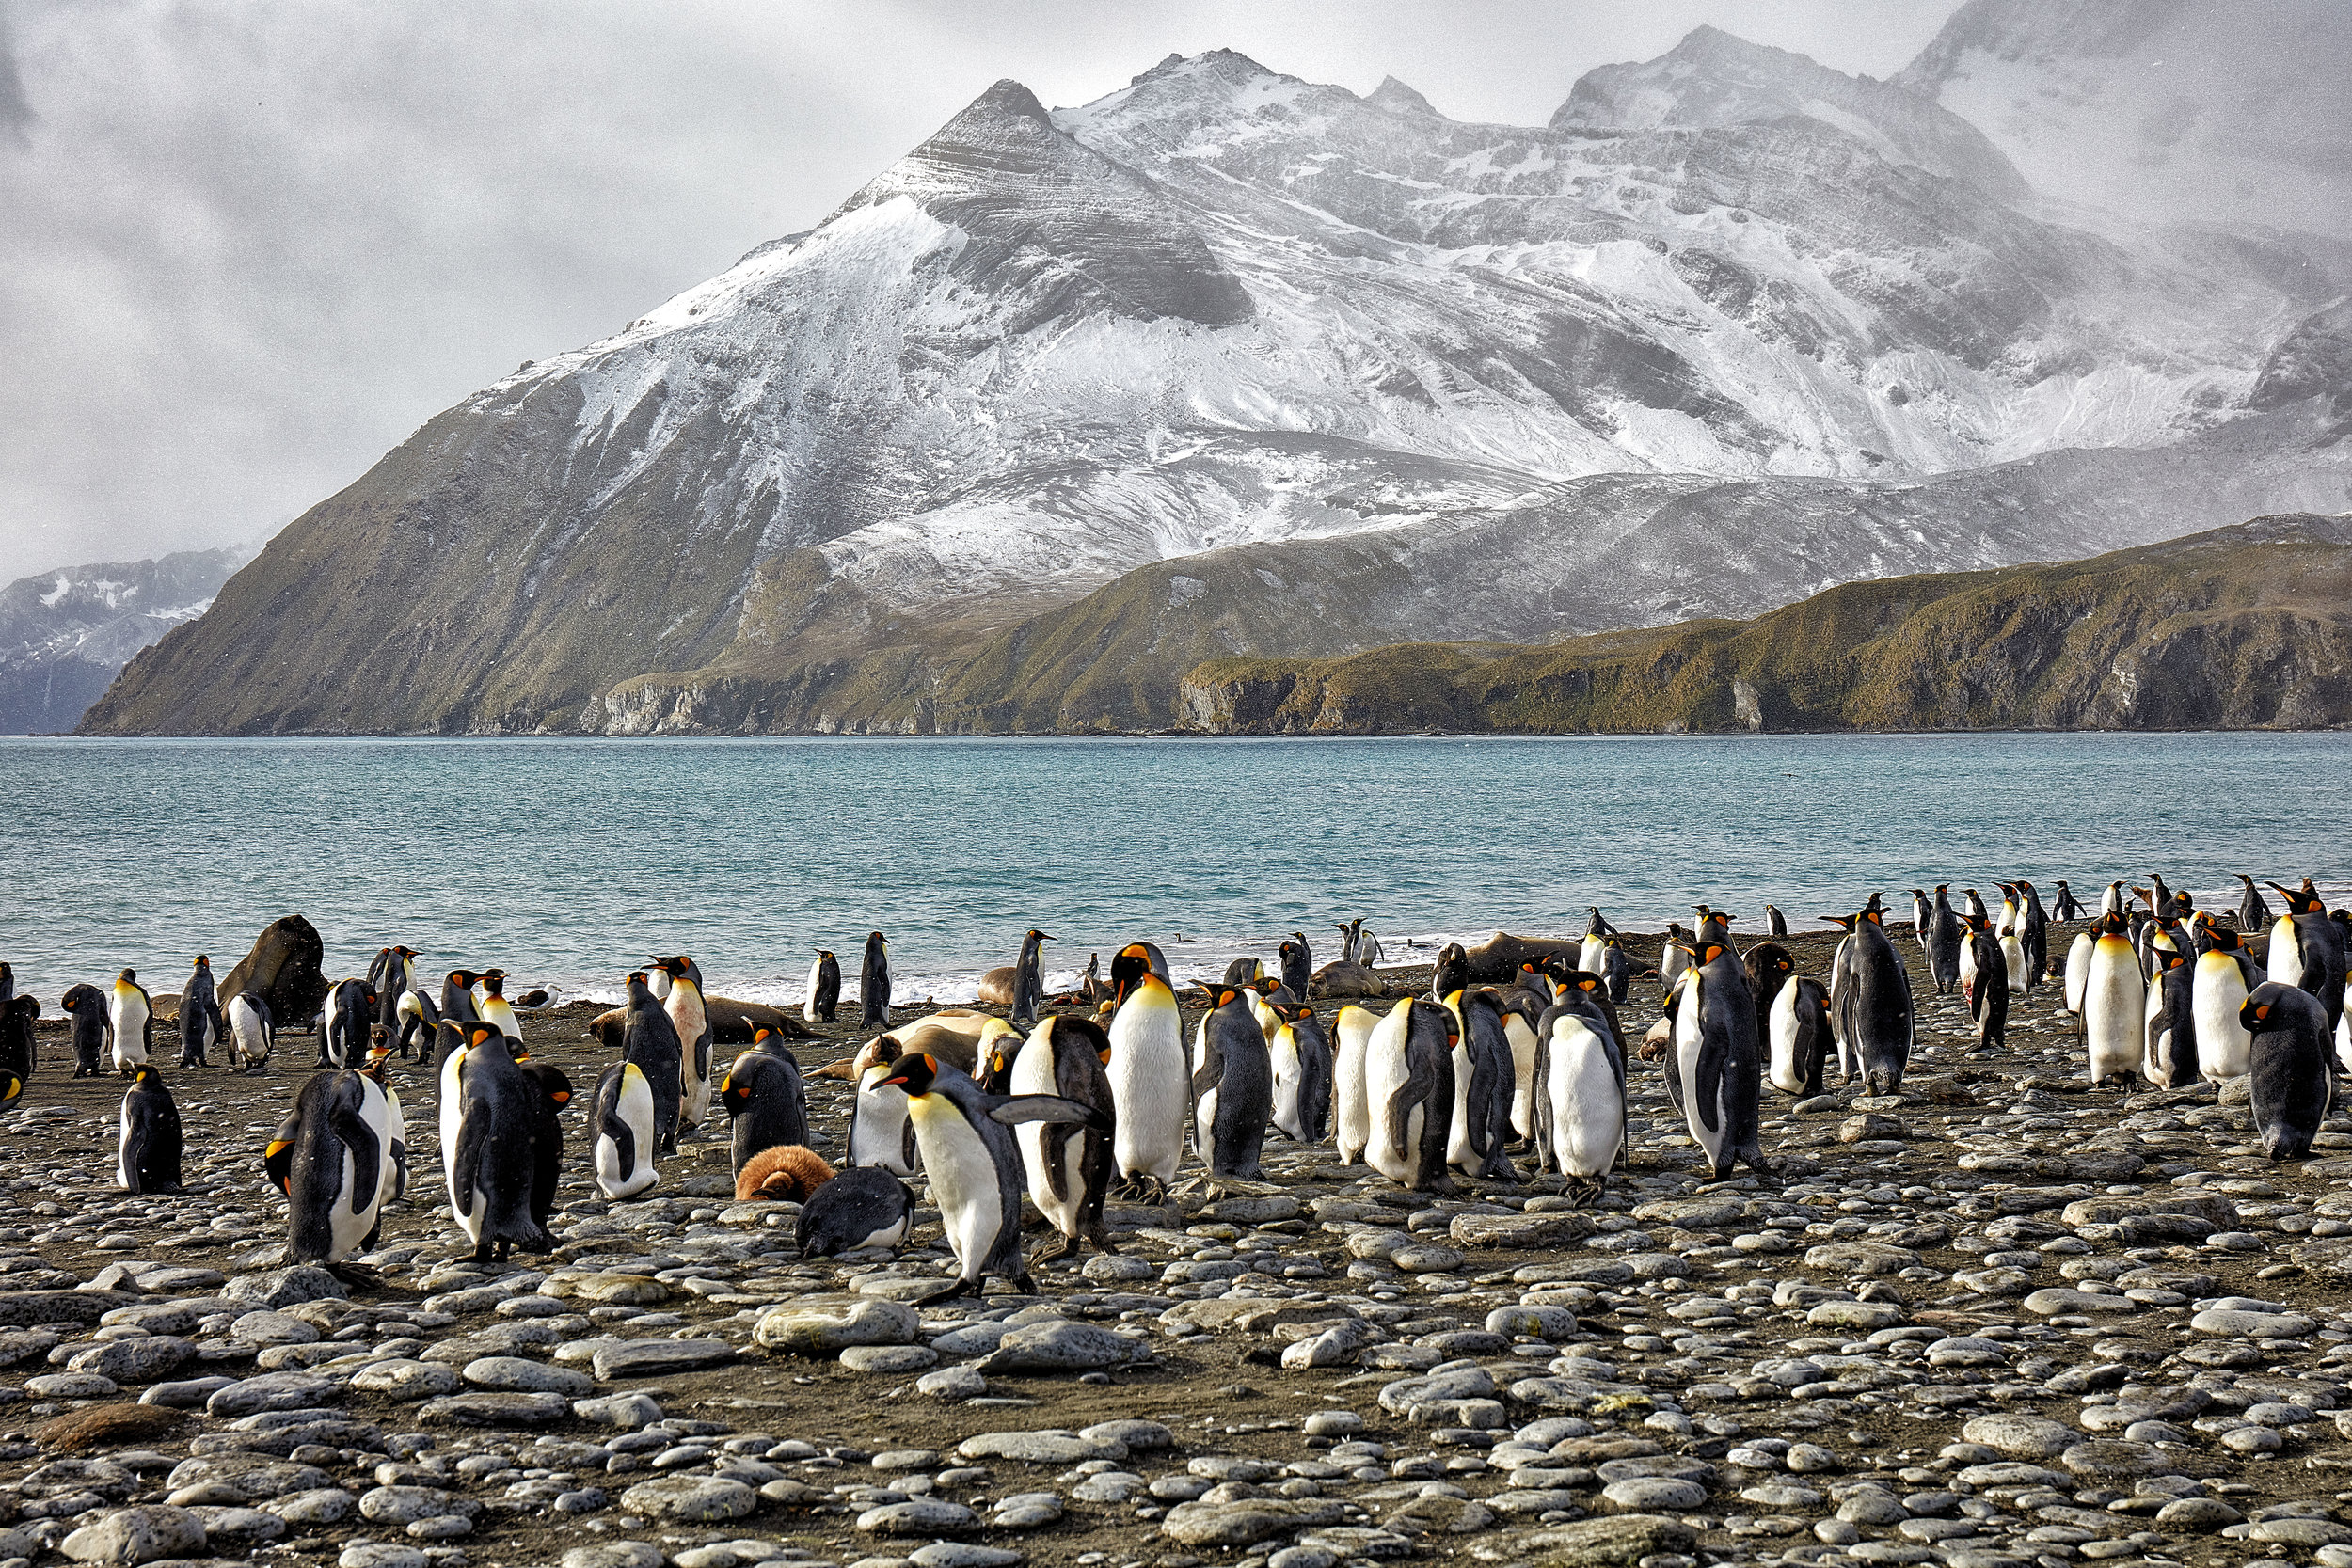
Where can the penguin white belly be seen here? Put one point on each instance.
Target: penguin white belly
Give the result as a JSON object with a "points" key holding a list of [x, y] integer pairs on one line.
{"points": [[2151, 1041], [1033, 1074], [128, 1016], [1687, 1043], [122, 1151], [2114, 1001], [1459, 1152], [2286, 955], [1149, 1085], [1788, 1077], [345, 1231], [1590, 957], [2079, 970], [634, 1108], [2343, 1032], [453, 1125], [1287, 1073], [963, 1179], [1384, 1083], [1268, 1020], [1967, 965], [395, 1146], [877, 1124], [2224, 1049], [1351, 1115], [808, 1003], [499, 1011], [685, 1008], [2013, 953], [1587, 1112], [1524, 1043]]}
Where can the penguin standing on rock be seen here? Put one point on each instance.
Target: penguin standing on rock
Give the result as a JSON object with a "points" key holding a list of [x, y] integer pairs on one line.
{"points": [[1987, 987], [2224, 976], [1151, 1081], [1232, 1084], [328, 1159], [650, 1041], [2293, 1082], [764, 1098], [1302, 1074], [489, 1170], [974, 1168], [345, 1023], [1579, 1091], [86, 1004], [862, 1207], [132, 1018], [17, 1043], [1029, 978], [253, 1033], [1408, 1093], [1069, 1165], [1944, 942], [1715, 1066], [625, 1132], [148, 1151], [873, 983], [199, 1016], [690, 1017], [2115, 1000], [824, 989], [1351, 1113], [2064, 908]]}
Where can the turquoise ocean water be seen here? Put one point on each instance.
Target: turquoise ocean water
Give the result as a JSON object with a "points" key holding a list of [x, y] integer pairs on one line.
{"points": [[568, 862]]}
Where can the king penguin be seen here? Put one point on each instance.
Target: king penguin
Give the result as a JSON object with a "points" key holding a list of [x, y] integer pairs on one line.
{"points": [[2253, 914], [1302, 1074], [2169, 1025], [1351, 1113], [1871, 1005], [824, 989], [2307, 949], [1479, 1130], [1029, 980], [2225, 976], [1069, 1165], [862, 1207], [1232, 1084], [1580, 1098], [199, 1016], [973, 1165], [489, 1172], [625, 1132], [132, 1019], [2064, 908], [344, 1026], [1794, 1018], [692, 1019], [880, 1134], [252, 1031], [1716, 1062], [764, 1099], [18, 1046], [2011, 931], [1296, 961], [1408, 1091], [547, 1134], [148, 1150], [1944, 942], [2293, 1079], [1986, 988], [86, 1004], [2033, 937], [329, 1157], [494, 1006], [2115, 998], [650, 1040], [873, 983], [1150, 1079]]}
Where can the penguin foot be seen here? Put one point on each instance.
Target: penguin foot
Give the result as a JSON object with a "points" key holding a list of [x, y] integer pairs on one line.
{"points": [[1054, 1251], [355, 1273], [954, 1288]]}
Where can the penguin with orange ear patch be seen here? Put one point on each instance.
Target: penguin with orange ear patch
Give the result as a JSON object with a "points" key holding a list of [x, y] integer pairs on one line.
{"points": [[2293, 1077], [546, 1135], [763, 1097], [1715, 1064], [862, 1207], [786, 1174]]}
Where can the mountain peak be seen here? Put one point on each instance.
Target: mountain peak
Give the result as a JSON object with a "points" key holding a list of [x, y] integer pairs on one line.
{"points": [[1398, 99], [1008, 97]]}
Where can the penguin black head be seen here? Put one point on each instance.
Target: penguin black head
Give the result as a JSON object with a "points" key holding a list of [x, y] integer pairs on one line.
{"points": [[494, 981], [131, 977], [2253, 1014], [2175, 958], [148, 1077], [1874, 915], [482, 1034], [914, 1073], [2113, 924], [278, 1162], [464, 979], [203, 962]]}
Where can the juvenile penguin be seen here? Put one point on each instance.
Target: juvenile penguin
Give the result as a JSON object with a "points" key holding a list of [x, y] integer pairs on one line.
{"points": [[862, 1207], [1409, 1090], [1232, 1084], [1351, 1112], [873, 983], [1872, 1010], [2292, 1079], [1302, 1074], [764, 1099], [1580, 1104], [344, 1025], [1151, 1081], [201, 1026], [2169, 1025], [1070, 1166], [1944, 942], [489, 1172], [650, 1040], [625, 1132], [132, 1019], [1716, 1063], [328, 1158], [880, 1134], [1987, 987], [824, 989], [148, 1150], [2225, 975], [1029, 980], [789, 1173], [86, 1004], [1479, 1130], [691, 1019], [973, 1165], [2115, 999]]}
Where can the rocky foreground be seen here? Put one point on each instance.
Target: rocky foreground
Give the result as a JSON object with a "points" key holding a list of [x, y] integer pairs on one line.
{"points": [[1995, 1320]]}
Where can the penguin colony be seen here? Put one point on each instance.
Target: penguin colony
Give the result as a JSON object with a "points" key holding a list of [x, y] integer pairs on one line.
{"points": [[1104, 1098]]}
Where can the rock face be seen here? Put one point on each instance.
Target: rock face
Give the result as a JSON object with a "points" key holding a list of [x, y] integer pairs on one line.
{"points": [[1381, 374], [65, 635], [2240, 627]]}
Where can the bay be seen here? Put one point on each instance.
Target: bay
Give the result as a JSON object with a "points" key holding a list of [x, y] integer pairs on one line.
{"points": [[568, 862]]}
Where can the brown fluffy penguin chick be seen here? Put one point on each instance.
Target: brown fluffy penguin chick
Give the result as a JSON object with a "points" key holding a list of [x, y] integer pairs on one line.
{"points": [[787, 1173]]}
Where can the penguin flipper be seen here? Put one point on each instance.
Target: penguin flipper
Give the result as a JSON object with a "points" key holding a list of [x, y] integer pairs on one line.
{"points": [[1022, 1109], [367, 1150]]}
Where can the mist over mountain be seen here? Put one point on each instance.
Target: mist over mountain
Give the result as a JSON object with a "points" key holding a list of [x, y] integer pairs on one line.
{"points": [[1731, 328]]}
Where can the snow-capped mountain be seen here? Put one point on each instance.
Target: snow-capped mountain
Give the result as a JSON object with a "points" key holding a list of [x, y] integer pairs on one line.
{"points": [[65, 635], [1225, 308]]}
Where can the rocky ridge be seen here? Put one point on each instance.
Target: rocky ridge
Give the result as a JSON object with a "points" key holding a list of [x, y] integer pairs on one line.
{"points": [[65, 635]]}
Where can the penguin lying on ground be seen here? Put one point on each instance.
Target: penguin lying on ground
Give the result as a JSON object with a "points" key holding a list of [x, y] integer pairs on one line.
{"points": [[864, 1207], [148, 1151], [974, 1169]]}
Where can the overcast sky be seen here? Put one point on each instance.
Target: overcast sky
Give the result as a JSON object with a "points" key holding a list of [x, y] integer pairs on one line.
{"points": [[246, 247]]}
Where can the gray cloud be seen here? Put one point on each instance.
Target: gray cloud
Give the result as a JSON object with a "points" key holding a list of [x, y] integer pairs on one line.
{"points": [[250, 248]]}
